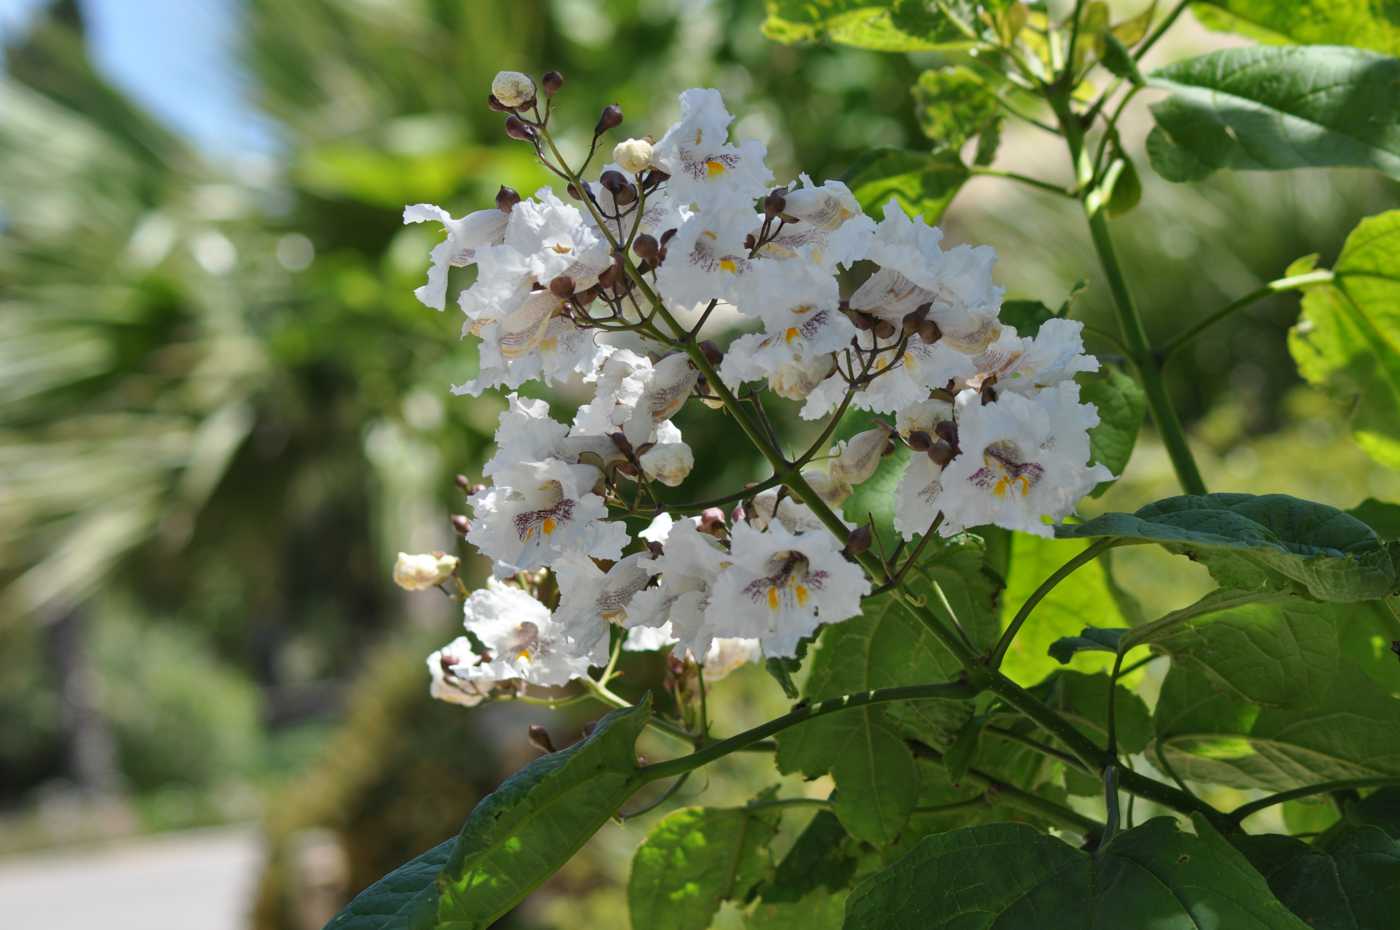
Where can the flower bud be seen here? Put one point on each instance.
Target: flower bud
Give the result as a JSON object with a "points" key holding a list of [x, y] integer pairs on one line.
{"points": [[573, 191], [506, 199], [518, 129], [712, 521], [620, 440], [668, 463], [633, 155], [419, 572], [538, 735], [929, 332], [552, 82], [858, 458], [884, 329], [495, 104], [712, 353], [460, 523], [859, 540], [654, 178], [797, 379], [462, 482], [646, 247], [947, 431], [775, 203], [911, 321], [610, 118], [513, 89], [862, 321], [920, 441], [562, 287], [941, 452], [613, 181]]}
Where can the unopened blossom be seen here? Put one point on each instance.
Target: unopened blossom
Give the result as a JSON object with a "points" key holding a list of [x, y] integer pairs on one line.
{"points": [[800, 377], [858, 457], [522, 638], [427, 570], [781, 586], [704, 167], [512, 88], [728, 654], [465, 237], [1021, 460], [538, 511], [633, 155], [667, 462]]}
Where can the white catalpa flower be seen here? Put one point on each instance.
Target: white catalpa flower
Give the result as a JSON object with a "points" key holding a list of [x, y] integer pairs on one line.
{"points": [[896, 381], [800, 377], [707, 259], [465, 238], [1020, 460], [555, 239], [591, 600], [956, 283], [635, 396], [704, 168], [535, 342], [800, 310], [1028, 364], [457, 675], [830, 230], [781, 586], [796, 516], [667, 462], [525, 432], [419, 572], [923, 417], [726, 655], [687, 567], [537, 512], [916, 496], [522, 639]]}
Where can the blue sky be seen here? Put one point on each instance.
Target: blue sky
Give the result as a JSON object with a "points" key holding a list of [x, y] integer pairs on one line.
{"points": [[177, 57]]}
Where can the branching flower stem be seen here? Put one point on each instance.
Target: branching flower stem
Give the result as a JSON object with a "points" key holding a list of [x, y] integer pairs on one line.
{"points": [[1088, 555]]}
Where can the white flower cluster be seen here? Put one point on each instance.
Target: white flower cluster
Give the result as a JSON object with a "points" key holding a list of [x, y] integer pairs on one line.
{"points": [[995, 418]]}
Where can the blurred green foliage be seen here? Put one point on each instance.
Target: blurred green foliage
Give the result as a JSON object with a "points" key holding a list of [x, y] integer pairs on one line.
{"points": [[222, 411]]}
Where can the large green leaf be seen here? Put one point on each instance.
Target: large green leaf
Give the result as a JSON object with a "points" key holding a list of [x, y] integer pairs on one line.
{"points": [[1276, 107], [863, 748], [953, 104], [808, 890], [1122, 405], [880, 25], [1353, 884], [921, 183], [1086, 598], [1347, 727], [1348, 339], [522, 832], [1253, 542], [1013, 877], [405, 899], [1373, 25], [695, 859]]}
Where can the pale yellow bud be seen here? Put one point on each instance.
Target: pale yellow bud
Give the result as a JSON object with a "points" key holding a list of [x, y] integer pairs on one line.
{"points": [[633, 155], [512, 88], [420, 572]]}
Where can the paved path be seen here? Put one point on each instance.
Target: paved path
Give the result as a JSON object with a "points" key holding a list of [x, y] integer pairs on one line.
{"points": [[197, 880]]}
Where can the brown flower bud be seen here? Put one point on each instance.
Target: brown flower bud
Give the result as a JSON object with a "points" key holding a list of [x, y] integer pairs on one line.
{"points": [[562, 287], [495, 104], [552, 82], [625, 196], [667, 236], [460, 523], [622, 443], [506, 199], [920, 441], [859, 540], [462, 482], [712, 353], [653, 178], [929, 332], [862, 321], [610, 118], [775, 203], [941, 452], [912, 320], [539, 736], [884, 329], [613, 181], [518, 129], [711, 520], [573, 192], [646, 247], [947, 431]]}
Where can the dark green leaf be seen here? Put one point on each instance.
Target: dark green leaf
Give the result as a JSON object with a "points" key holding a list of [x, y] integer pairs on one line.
{"points": [[1013, 877], [922, 184], [1348, 339], [405, 899], [695, 859], [1026, 316], [953, 104], [808, 890], [880, 25], [1086, 598], [1380, 808], [1381, 516], [1254, 542], [958, 757], [1090, 639], [1122, 187], [1276, 108], [1306, 22], [1354, 884], [1083, 700], [863, 748], [522, 832], [1122, 407], [1118, 60]]}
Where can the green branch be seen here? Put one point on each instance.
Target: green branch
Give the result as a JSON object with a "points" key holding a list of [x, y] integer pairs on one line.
{"points": [[1088, 555], [1294, 283], [1345, 784]]}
